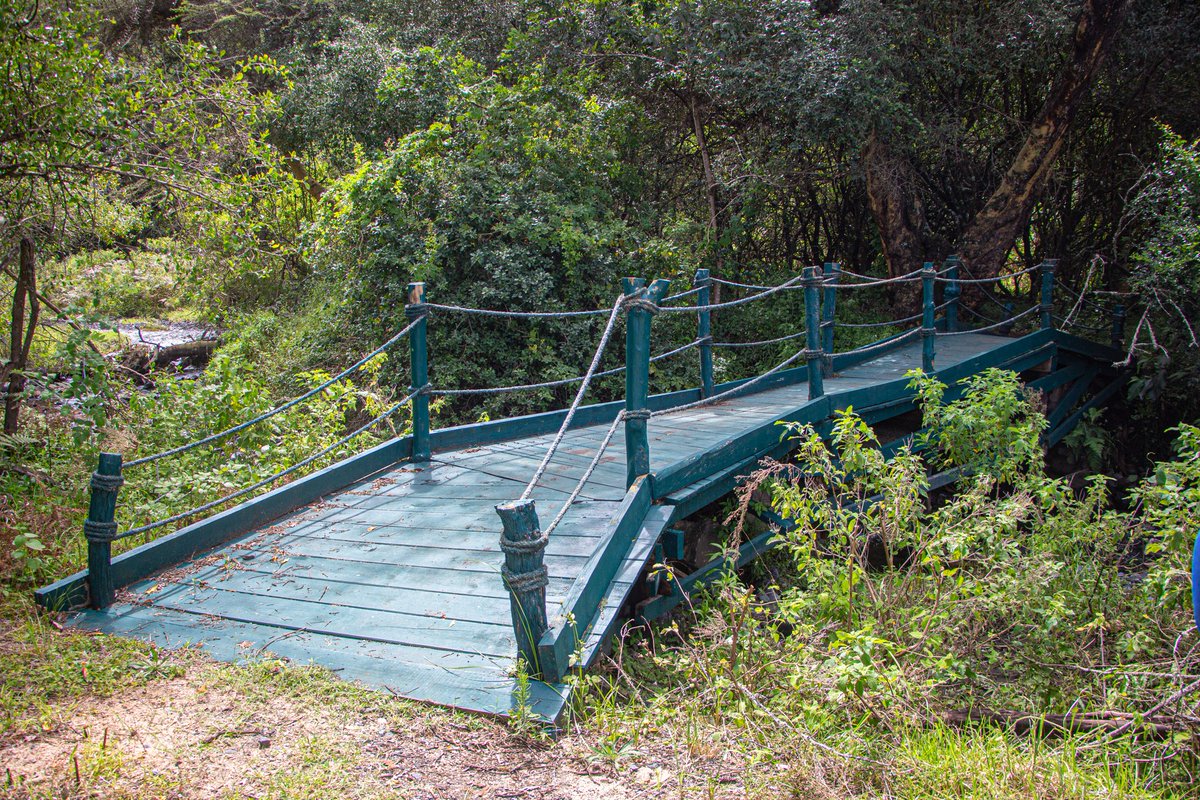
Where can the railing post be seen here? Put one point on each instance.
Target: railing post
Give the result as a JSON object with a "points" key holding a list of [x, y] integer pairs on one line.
{"points": [[704, 331], [812, 325], [928, 317], [952, 294], [1047, 301], [637, 373], [100, 528], [525, 576], [419, 368], [1117, 335], [828, 310]]}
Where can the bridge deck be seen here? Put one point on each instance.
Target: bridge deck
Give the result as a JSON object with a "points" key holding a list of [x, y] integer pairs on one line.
{"points": [[394, 581]]}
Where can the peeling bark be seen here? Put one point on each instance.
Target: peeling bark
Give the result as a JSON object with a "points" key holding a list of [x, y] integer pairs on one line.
{"points": [[990, 235]]}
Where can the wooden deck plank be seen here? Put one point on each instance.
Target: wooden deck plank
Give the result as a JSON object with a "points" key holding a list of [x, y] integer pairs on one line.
{"points": [[470, 682]]}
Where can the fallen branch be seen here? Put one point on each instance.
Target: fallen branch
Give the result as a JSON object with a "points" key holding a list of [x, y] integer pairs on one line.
{"points": [[1022, 723]]}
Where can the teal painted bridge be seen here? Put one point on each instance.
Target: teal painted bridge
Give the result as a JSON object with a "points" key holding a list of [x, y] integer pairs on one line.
{"points": [[394, 569]]}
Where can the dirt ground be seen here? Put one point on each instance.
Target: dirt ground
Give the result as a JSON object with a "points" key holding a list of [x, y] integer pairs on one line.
{"points": [[217, 733]]}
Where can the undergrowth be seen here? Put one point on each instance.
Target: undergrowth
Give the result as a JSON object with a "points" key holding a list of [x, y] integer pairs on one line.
{"points": [[1058, 625]]}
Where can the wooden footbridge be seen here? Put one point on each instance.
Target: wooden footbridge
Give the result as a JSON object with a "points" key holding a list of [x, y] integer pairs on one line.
{"points": [[392, 567]]}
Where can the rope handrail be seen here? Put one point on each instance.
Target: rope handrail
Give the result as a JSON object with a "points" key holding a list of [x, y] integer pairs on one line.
{"points": [[183, 448], [777, 340], [889, 323], [995, 279], [683, 294], [751, 286], [867, 281], [788, 284], [272, 478], [587, 474], [583, 387], [491, 312], [562, 381], [999, 324], [889, 342], [716, 398]]}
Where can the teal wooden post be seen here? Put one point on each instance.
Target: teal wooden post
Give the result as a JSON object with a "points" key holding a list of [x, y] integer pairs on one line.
{"points": [[637, 373], [525, 576], [704, 331], [812, 326], [100, 528], [1047, 301], [828, 309], [1117, 335], [419, 368], [952, 294], [928, 321]]}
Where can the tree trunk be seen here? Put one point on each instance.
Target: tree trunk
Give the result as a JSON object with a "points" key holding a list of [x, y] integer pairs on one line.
{"points": [[20, 334], [710, 193], [990, 235], [896, 206]]}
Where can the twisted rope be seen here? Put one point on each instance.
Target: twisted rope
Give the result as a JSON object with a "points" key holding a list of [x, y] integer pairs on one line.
{"points": [[489, 312], [789, 284], [525, 547], [271, 479], [587, 474], [529, 581], [999, 324], [995, 279], [563, 381], [107, 483], [682, 295], [280, 409], [866, 281], [99, 531], [764, 341], [587, 380], [901, 321], [752, 286], [869, 348], [716, 398]]}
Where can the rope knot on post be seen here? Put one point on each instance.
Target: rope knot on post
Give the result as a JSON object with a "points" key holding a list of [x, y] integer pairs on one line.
{"points": [[106, 483], [636, 413], [525, 546], [529, 581], [642, 304], [416, 310], [95, 531]]}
